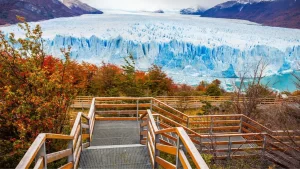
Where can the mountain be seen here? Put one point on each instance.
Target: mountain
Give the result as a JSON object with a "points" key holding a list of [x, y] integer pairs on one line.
{"points": [[192, 11], [80, 8], [158, 11], [280, 13], [35, 10]]}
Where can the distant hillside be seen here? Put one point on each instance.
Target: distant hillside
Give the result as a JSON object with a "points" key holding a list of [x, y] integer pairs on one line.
{"points": [[34, 10], [281, 13], [80, 8], [192, 11]]}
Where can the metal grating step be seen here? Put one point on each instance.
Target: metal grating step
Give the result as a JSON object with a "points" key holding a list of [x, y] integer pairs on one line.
{"points": [[115, 157], [116, 133]]}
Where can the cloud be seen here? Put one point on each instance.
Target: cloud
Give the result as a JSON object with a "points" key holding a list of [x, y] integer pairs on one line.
{"points": [[151, 4]]}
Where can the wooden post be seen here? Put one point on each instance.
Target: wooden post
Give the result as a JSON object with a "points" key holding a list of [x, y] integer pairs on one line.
{"points": [[264, 145], [156, 150], [148, 127], [211, 125], [137, 110], [229, 148], [200, 145], [42, 153], [188, 122], [241, 124], [141, 129], [80, 121], [179, 146], [157, 122]]}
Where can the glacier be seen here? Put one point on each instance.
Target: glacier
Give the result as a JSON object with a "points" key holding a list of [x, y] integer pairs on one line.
{"points": [[188, 48]]}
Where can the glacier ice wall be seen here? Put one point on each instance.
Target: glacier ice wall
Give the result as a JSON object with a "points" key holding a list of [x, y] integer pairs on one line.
{"points": [[177, 56], [189, 48]]}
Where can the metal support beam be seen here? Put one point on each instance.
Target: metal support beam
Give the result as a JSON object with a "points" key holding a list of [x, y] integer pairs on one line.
{"points": [[179, 147], [42, 153]]}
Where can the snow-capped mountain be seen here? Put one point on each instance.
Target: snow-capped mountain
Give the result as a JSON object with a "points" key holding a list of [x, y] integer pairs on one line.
{"points": [[192, 11], [158, 11], [35, 10], [282, 13], [32, 10], [81, 8]]}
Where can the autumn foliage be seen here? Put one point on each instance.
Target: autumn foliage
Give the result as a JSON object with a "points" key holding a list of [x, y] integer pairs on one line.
{"points": [[36, 90]]}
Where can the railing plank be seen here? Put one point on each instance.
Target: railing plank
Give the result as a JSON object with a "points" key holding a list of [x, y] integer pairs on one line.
{"points": [[31, 152], [167, 130], [166, 149], [85, 136], [123, 98], [76, 123], [165, 142], [39, 164], [77, 146], [150, 154], [76, 135], [164, 163], [115, 118], [58, 136], [150, 141], [145, 105], [169, 114], [67, 166], [152, 121], [184, 161], [58, 155], [77, 157], [217, 128], [85, 126], [177, 111], [216, 122], [199, 162]]}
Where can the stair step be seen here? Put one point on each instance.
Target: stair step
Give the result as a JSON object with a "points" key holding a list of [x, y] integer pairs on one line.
{"points": [[115, 141], [115, 157], [116, 133]]}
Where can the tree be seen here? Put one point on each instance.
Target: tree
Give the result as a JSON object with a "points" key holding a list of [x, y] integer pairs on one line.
{"points": [[253, 90], [158, 82], [202, 86], [129, 85], [35, 90], [106, 80], [213, 89]]}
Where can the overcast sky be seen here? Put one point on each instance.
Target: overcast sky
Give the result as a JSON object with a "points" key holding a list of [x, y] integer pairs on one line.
{"points": [[151, 4]]}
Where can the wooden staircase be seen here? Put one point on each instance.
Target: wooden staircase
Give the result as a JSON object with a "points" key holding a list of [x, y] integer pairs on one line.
{"points": [[116, 145], [126, 132], [115, 142]]}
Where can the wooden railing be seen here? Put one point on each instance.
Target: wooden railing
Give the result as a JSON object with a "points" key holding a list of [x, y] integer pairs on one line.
{"points": [[80, 138], [156, 145], [192, 101], [205, 132]]}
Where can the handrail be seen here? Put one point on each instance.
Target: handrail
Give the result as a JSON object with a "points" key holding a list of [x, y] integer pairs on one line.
{"points": [[37, 150], [154, 146], [177, 111]]}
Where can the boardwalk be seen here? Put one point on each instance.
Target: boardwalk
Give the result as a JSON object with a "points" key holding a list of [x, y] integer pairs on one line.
{"points": [[126, 132]]}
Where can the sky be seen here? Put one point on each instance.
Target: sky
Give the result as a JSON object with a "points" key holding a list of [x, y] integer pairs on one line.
{"points": [[151, 4]]}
